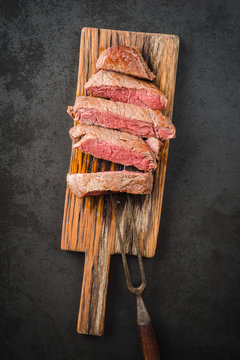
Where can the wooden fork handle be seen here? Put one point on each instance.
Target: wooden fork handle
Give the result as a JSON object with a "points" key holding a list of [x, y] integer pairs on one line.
{"points": [[147, 334], [149, 343]]}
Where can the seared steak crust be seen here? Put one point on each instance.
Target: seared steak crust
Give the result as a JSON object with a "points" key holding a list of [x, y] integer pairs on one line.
{"points": [[126, 60], [116, 181]]}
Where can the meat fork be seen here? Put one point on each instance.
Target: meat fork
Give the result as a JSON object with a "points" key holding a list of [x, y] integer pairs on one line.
{"points": [[146, 331]]}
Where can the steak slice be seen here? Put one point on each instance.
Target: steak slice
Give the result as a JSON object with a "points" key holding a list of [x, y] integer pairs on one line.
{"points": [[137, 120], [113, 145], [125, 88], [155, 145], [126, 60], [116, 181]]}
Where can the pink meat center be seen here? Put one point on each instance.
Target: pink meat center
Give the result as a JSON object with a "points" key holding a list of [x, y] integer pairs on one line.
{"points": [[116, 153], [137, 97], [130, 125]]}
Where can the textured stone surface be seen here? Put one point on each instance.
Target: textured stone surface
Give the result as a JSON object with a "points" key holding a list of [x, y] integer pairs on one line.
{"points": [[193, 291]]}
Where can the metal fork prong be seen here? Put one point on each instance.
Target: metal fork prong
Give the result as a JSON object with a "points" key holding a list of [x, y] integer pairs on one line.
{"points": [[136, 243], [134, 290]]}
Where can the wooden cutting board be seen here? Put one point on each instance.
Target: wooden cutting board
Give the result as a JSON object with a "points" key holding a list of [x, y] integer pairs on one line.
{"points": [[88, 224]]}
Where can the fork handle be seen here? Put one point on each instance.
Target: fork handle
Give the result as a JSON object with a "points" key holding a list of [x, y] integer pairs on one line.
{"points": [[149, 343], [147, 334]]}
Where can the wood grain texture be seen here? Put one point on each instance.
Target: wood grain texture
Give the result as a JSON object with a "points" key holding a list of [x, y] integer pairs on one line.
{"points": [[88, 224]]}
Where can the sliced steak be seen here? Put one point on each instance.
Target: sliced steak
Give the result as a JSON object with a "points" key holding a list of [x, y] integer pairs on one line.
{"points": [[125, 88], [155, 145], [113, 145], [137, 120], [116, 181], [126, 60]]}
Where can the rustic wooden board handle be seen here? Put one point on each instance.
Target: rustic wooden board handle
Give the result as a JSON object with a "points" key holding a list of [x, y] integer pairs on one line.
{"points": [[94, 292], [149, 343]]}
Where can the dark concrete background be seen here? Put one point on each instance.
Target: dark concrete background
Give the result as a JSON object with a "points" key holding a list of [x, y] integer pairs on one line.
{"points": [[193, 290]]}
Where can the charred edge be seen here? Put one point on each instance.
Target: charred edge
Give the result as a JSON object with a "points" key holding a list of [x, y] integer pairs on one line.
{"points": [[123, 204], [99, 36], [129, 230], [110, 41], [70, 196], [74, 202], [118, 201], [134, 201], [105, 207], [107, 166], [92, 291], [118, 39], [99, 164], [78, 222], [65, 216], [90, 163], [119, 167], [84, 202]]}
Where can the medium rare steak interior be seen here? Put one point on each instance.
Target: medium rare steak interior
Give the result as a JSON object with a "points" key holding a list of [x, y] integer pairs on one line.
{"points": [[113, 145], [126, 60], [125, 88], [155, 145], [115, 181], [137, 120]]}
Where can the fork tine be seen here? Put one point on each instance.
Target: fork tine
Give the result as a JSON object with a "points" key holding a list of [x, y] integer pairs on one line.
{"points": [[134, 290]]}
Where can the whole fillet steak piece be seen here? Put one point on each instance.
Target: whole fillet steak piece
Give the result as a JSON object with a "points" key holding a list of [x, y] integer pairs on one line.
{"points": [[115, 181], [124, 59], [113, 145], [137, 120], [127, 89]]}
